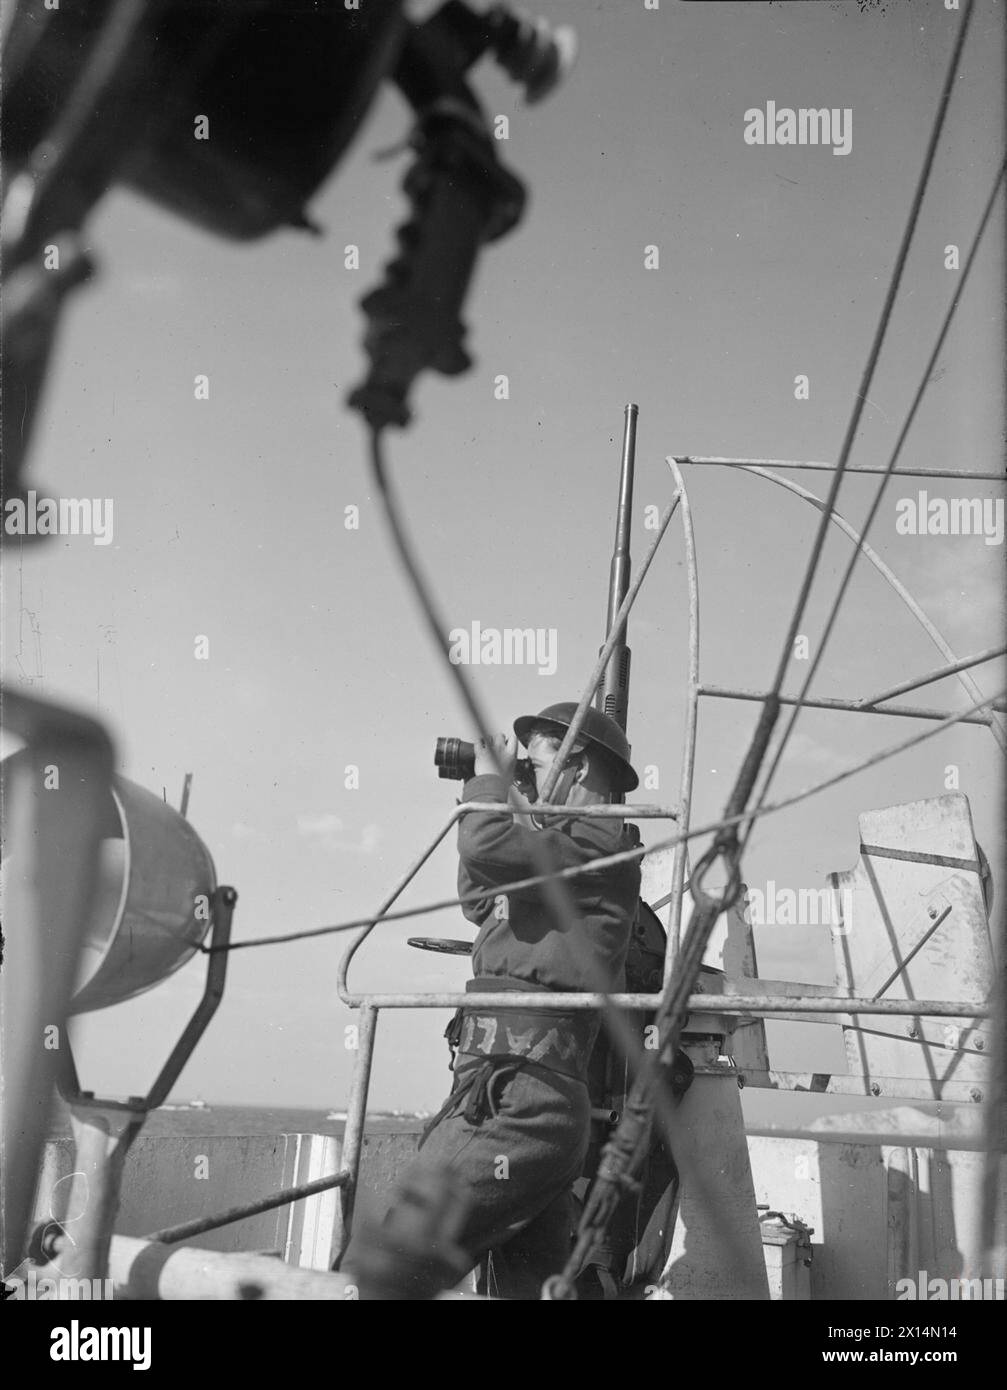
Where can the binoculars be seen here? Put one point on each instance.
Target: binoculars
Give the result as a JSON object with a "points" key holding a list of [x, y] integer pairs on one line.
{"points": [[455, 759]]}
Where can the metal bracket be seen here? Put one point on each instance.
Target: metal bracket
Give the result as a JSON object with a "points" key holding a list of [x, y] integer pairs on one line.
{"points": [[68, 1082]]}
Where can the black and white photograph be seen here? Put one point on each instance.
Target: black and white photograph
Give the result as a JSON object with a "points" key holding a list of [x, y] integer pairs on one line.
{"points": [[504, 704]]}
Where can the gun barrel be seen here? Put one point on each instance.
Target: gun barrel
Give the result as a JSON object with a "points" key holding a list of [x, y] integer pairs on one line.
{"points": [[619, 576], [613, 693]]}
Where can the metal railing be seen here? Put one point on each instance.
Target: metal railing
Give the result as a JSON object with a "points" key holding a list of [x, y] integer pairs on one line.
{"points": [[370, 1003]]}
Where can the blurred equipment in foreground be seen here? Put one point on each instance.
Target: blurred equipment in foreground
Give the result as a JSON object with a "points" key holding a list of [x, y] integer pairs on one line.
{"points": [[231, 115], [106, 892], [414, 1253]]}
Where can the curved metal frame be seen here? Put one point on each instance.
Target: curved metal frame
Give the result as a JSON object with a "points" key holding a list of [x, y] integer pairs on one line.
{"points": [[887, 574], [342, 987]]}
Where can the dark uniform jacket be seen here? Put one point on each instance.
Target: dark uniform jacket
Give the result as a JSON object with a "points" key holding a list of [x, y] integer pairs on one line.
{"points": [[520, 939]]}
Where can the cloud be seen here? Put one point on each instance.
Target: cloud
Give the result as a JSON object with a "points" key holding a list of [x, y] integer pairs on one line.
{"points": [[314, 826], [961, 591], [815, 753], [327, 832], [241, 831]]}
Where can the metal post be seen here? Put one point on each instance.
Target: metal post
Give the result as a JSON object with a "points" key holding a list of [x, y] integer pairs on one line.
{"points": [[104, 1130], [356, 1114], [102, 1140], [603, 658], [619, 573], [171, 1235], [681, 856], [989, 1260], [222, 913], [54, 817]]}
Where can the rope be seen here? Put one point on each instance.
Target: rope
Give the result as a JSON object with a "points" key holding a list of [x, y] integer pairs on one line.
{"points": [[623, 856]]}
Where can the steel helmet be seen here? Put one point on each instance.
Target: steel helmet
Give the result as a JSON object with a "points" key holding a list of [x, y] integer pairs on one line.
{"points": [[597, 729]]}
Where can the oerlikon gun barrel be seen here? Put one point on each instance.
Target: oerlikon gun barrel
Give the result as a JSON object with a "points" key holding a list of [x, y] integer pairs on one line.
{"points": [[613, 693]]}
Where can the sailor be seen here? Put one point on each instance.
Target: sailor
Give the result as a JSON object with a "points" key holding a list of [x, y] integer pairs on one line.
{"points": [[516, 1126]]}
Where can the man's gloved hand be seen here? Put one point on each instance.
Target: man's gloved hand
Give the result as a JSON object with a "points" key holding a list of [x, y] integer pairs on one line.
{"points": [[501, 750]]}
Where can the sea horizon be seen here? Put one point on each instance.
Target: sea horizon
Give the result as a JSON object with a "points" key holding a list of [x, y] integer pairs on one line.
{"points": [[195, 1115]]}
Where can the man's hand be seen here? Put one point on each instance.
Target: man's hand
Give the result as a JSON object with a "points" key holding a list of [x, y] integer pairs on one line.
{"points": [[504, 747]]}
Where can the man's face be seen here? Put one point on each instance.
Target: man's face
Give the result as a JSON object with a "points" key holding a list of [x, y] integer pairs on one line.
{"points": [[542, 754], [593, 783]]}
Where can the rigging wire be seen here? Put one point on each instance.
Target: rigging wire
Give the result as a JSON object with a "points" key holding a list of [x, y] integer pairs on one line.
{"points": [[648, 1098], [867, 375], [618, 1163], [624, 1150], [623, 856], [890, 468]]}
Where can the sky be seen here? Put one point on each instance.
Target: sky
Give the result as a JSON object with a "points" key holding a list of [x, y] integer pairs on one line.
{"points": [[229, 512]]}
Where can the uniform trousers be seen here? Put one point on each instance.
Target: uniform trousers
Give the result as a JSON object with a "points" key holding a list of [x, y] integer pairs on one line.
{"points": [[516, 1134]]}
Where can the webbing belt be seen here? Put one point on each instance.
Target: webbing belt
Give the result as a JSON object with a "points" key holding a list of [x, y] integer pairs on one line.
{"points": [[561, 1042]]}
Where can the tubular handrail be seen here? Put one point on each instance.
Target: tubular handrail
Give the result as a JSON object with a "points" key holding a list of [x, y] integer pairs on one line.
{"points": [[886, 573], [342, 988], [816, 467], [698, 1003]]}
